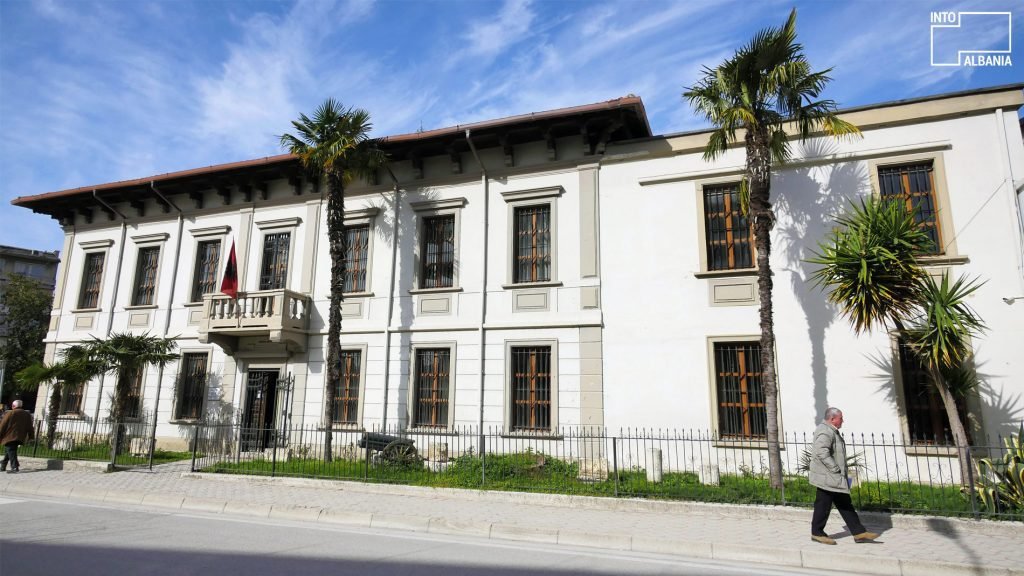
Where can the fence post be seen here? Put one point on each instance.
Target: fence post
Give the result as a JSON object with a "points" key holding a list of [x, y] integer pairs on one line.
{"points": [[366, 461], [195, 444], [970, 480], [115, 445], [483, 459], [273, 453], [615, 464]]}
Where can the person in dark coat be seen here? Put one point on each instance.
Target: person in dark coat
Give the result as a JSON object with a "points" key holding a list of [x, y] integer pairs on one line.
{"points": [[15, 430], [829, 475]]}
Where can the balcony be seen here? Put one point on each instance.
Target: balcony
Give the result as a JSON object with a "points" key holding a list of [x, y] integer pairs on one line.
{"points": [[275, 316]]}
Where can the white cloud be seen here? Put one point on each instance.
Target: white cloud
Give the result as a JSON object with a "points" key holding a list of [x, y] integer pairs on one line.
{"points": [[513, 23]]}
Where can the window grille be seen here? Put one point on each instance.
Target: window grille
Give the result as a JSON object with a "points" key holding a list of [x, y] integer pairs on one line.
{"points": [[437, 269], [91, 277], [927, 421], [531, 388], [133, 408], [432, 381], [357, 247], [741, 407], [274, 275], [346, 396], [145, 276], [71, 399], [913, 185], [532, 258], [191, 386], [728, 234], [207, 269]]}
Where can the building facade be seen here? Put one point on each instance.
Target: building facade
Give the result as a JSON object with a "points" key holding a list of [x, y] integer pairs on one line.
{"points": [[552, 270]]}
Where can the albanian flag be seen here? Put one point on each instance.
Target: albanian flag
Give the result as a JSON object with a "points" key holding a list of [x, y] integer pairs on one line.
{"points": [[230, 284]]}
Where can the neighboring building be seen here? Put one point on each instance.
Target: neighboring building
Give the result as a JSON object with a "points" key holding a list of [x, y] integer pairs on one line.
{"points": [[38, 265], [592, 275]]}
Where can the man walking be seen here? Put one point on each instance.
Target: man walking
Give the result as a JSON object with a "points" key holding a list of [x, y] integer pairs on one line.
{"points": [[829, 475], [15, 429]]}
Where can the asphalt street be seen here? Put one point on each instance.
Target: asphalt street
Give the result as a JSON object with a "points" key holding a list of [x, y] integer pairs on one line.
{"points": [[42, 537]]}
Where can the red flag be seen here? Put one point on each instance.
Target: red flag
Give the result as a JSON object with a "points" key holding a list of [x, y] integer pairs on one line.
{"points": [[230, 284]]}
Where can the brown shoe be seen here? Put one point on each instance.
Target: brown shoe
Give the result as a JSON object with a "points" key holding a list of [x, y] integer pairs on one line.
{"points": [[865, 537], [824, 540]]}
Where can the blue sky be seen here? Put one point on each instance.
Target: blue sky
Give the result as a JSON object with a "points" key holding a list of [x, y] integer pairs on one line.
{"points": [[92, 92]]}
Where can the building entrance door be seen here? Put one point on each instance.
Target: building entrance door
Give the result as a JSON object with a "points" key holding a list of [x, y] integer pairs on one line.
{"points": [[258, 417]]}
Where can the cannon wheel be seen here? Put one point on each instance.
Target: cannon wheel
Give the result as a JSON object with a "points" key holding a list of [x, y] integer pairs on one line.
{"points": [[399, 452]]}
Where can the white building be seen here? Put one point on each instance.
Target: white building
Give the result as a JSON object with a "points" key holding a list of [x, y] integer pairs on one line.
{"points": [[543, 271]]}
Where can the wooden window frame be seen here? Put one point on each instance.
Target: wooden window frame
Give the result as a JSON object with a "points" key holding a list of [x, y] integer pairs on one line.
{"points": [[945, 231], [734, 441], [730, 212], [524, 199], [426, 210], [346, 382], [201, 276], [147, 275], [272, 272], [511, 426], [439, 403], [180, 395], [94, 287], [65, 408], [363, 217], [350, 272], [413, 377]]}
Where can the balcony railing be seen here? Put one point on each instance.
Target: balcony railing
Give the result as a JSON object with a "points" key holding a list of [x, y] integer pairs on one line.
{"points": [[279, 315]]}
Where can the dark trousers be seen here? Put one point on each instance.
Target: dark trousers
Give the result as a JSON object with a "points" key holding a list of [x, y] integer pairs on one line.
{"points": [[11, 453], [823, 506]]}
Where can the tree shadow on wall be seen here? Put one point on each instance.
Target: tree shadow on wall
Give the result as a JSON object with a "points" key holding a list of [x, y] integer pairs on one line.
{"points": [[809, 199]]}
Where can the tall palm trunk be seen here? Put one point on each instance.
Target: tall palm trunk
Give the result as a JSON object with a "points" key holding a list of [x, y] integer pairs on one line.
{"points": [[51, 413], [956, 426], [122, 392], [759, 180], [336, 239]]}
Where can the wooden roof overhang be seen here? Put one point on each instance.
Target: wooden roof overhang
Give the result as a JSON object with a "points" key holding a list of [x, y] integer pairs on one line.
{"points": [[595, 125]]}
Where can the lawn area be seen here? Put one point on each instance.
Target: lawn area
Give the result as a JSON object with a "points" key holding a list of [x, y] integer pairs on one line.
{"points": [[531, 472], [100, 452]]}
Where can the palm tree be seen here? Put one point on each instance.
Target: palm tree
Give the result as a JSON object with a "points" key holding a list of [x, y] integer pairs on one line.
{"points": [[128, 354], [335, 144], [766, 89], [74, 369], [870, 268]]}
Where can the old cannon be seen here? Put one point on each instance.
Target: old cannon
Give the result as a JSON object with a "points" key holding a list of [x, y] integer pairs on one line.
{"points": [[392, 449]]}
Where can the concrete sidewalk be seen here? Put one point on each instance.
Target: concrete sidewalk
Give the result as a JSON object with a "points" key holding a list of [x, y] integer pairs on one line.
{"points": [[766, 534]]}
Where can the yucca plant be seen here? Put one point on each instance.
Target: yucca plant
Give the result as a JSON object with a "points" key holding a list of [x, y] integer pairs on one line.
{"points": [[1000, 483], [853, 461]]}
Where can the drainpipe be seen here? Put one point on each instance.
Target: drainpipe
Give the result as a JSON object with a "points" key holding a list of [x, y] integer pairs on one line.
{"points": [[391, 299], [167, 317], [1004, 144], [113, 303], [483, 285]]}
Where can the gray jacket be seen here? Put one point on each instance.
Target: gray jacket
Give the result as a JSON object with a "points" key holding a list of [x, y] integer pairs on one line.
{"points": [[828, 460]]}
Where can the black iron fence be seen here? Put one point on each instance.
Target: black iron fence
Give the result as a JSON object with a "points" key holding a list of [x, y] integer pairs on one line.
{"points": [[885, 474], [123, 444]]}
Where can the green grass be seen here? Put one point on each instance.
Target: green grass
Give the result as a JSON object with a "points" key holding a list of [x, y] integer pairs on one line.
{"points": [[100, 451], [523, 473]]}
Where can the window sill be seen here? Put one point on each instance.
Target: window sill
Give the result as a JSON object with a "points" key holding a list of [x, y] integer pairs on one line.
{"points": [[345, 295], [193, 304], [71, 416], [192, 421], [439, 431], [435, 290], [533, 435], [943, 260], [741, 443], [548, 284], [141, 307], [86, 310], [726, 273], [930, 450]]}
